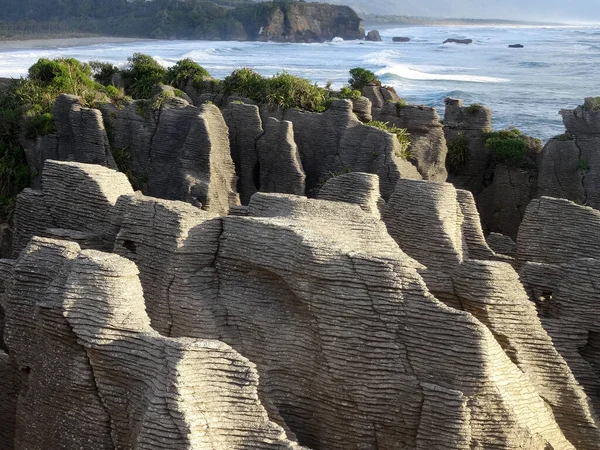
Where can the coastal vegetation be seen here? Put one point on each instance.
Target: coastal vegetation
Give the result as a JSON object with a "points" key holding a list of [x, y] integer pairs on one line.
{"points": [[361, 77], [26, 105], [592, 104], [508, 146], [171, 19], [400, 133], [458, 155]]}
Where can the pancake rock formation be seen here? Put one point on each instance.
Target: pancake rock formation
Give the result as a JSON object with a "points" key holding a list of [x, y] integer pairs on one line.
{"points": [[135, 322]]}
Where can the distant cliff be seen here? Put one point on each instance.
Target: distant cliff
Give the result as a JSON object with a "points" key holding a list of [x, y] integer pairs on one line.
{"points": [[299, 22], [280, 20]]}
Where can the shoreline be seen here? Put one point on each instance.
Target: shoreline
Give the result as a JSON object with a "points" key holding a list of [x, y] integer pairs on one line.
{"points": [[37, 42]]}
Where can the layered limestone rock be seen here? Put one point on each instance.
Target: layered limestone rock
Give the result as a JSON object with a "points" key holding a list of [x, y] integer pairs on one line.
{"points": [[454, 231], [569, 166], [427, 141], [491, 291], [58, 404], [74, 196], [344, 144], [471, 122], [80, 136], [357, 187], [245, 128], [502, 203], [177, 151], [556, 231], [278, 281], [279, 160], [502, 189], [97, 375], [379, 95], [559, 254]]}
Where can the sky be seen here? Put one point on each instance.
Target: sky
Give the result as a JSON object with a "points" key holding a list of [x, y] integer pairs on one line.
{"points": [[538, 10]]}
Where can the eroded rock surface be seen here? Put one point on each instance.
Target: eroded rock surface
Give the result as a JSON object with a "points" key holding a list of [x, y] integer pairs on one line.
{"points": [[570, 163], [98, 376], [427, 141]]}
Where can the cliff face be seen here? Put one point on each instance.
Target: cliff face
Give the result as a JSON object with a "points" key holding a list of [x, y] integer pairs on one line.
{"points": [[300, 22]]}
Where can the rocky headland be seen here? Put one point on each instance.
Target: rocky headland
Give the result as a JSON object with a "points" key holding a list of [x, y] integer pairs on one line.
{"points": [[201, 270]]}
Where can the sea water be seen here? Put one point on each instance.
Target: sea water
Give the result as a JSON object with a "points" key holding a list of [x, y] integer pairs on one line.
{"points": [[526, 88]]}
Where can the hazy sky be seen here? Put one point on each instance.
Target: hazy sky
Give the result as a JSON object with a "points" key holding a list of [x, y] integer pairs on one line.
{"points": [[548, 10]]}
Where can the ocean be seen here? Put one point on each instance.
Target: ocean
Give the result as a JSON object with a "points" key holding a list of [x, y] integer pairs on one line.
{"points": [[526, 88]]}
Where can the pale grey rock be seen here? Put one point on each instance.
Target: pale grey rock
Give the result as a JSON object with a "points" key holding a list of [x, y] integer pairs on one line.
{"points": [[31, 218], [361, 106], [75, 196], [344, 144], [279, 160], [556, 231], [491, 291], [177, 151], [245, 128], [427, 141], [502, 244], [357, 187], [174, 246], [472, 122], [476, 245], [570, 167], [502, 204], [80, 133], [58, 404], [151, 384]]}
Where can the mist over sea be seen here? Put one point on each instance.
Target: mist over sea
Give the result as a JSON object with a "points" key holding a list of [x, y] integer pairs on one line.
{"points": [[558, 67]]}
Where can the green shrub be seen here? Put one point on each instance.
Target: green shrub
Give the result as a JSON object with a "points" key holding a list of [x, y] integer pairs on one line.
{"points": [[349, 93], [473, 109], [14, 177], [184, 70], [401, 134], [247, 83], [401, 104], [360, 77], [458, 153], [289, 91], [161, 98], [284, 90], [103, 72], [592, 104], [564, 137], [583, 165], [142, 73], [508, 146]]}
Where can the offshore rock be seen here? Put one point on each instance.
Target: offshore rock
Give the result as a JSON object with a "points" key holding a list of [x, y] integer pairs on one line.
{"points": [[373, 35]]}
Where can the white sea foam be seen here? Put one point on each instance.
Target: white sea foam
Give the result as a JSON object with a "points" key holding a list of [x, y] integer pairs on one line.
{"points": [[405, 71]]}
